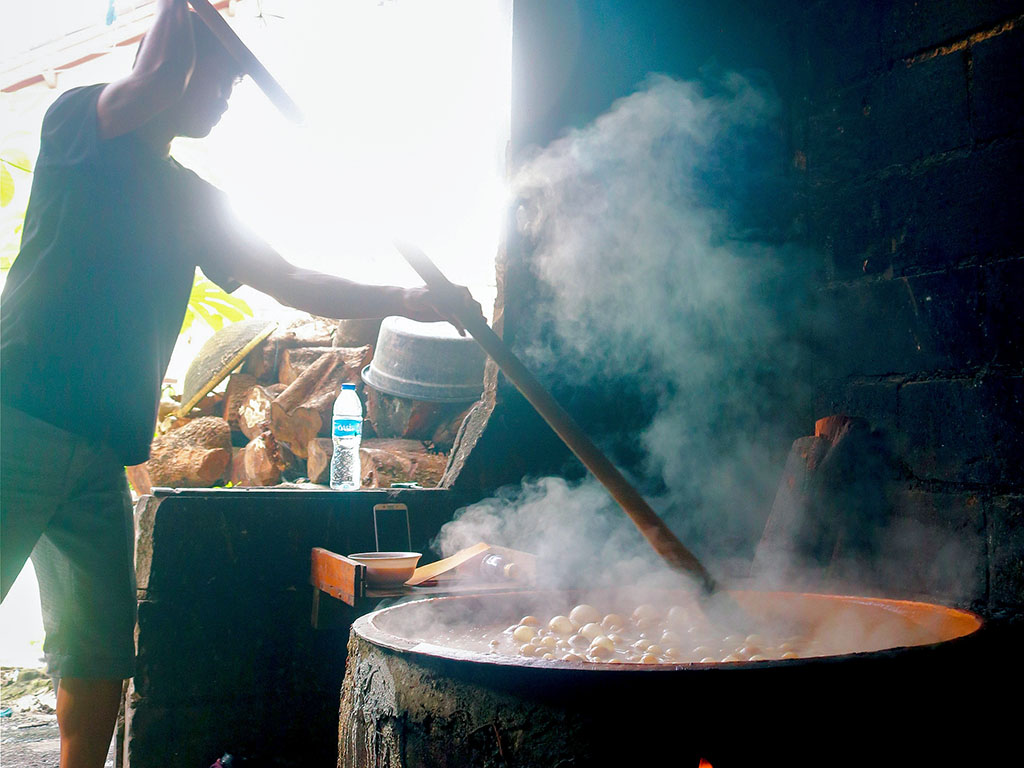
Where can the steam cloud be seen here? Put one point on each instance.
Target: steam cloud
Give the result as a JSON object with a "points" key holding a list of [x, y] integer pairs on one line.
{"points": [[647, 233], [637, 239]]}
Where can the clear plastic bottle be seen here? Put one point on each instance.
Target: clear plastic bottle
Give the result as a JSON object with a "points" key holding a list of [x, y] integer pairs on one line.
{"points": [[346, 431]]}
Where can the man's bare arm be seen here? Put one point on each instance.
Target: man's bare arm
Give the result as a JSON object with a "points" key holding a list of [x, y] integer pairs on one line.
{"points": [[328, 296], [159, 77]]}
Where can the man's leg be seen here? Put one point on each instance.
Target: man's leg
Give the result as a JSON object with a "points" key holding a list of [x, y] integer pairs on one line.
{"points": [[86, 713], [84, 563]]}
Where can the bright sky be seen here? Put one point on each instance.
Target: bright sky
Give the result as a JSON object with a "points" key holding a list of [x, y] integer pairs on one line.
{"points": [[407, 120]]}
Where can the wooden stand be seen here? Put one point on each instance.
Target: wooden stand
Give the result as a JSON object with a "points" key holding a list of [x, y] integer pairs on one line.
{"points": [[345, 579]]}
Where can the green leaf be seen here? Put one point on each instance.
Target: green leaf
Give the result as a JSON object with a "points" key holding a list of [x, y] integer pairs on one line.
{"points": [[213, 320], [17, 159], [6, 186], [213, 305], [229, 313]]}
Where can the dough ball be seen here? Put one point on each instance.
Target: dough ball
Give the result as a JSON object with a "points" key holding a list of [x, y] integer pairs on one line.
{"points": [[613, 621], [678, 616], [561, 625], [646, 611], [523, 634], [670, 638], [584, 614], [579, 641]]}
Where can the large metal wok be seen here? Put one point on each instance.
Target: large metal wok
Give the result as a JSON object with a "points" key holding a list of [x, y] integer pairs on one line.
{"points": [[410, 700], [872, 625]]}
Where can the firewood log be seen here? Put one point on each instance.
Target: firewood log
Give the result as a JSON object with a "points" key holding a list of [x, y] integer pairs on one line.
{"points": [[237, 391], [254, 412], [296, 428], [352, 359], [386, 461], [393, 416], [307, 383], [303, 331], [260, 462], [303, 410], [195, 456], [318, 459], [138, 476]]}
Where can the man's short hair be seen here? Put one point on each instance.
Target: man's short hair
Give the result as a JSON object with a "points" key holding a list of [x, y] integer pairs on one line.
{"points": [[207, 45]]}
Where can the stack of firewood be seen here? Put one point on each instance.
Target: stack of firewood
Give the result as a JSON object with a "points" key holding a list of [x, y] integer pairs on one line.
{"points": [[272, 423]]}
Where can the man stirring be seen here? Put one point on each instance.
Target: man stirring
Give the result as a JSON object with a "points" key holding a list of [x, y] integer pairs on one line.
{"points": [[90, 313]]}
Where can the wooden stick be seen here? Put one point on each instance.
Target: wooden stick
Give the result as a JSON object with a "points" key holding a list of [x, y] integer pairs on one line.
{"points": [[633, 504], [246, 59]]}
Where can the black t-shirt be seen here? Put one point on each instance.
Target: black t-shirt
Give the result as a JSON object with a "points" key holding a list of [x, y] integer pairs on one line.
{"points": [[93, 304]]}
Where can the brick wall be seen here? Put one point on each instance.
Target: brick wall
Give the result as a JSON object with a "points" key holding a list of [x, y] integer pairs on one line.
{"points": [[904, 150], [912, 129]]}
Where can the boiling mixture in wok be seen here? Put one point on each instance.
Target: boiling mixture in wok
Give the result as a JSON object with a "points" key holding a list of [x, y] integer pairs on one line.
{"points": [[617, 628], [649, 635]]}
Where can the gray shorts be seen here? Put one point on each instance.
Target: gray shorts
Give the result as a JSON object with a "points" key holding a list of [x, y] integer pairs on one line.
{"points": [[65, 502]]}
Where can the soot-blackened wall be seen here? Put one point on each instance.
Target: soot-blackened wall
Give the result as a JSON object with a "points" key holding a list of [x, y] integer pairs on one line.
{"points": [[911, 134], [898, 153]]}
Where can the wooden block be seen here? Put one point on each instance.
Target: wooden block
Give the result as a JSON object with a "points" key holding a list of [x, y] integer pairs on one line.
{"points": [[318, 460], [303, 331], [414, 419], [337, 575], [261, 462], [195, 456], [387, 460], [352, 360], [239, 386], [254, 412], [138, 476], [832, 427]]}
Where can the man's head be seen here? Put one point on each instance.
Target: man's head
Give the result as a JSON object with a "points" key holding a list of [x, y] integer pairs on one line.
{"points": [[209, 88]]}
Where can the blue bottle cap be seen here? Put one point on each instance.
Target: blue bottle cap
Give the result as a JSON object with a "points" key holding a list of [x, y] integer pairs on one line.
{"points": [[348, 386]]}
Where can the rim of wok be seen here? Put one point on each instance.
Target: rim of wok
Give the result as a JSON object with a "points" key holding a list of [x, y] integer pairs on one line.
{"points": [[366, 628]]}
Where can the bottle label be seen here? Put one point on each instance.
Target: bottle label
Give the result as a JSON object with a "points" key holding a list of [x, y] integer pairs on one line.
{"points": [[348, 428]]}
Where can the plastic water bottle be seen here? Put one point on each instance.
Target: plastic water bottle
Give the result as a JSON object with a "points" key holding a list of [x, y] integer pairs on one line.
{"points": [[346, 430]]}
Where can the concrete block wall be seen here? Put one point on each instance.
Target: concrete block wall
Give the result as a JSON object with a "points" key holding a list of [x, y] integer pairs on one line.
{"points": [[912, 128]]}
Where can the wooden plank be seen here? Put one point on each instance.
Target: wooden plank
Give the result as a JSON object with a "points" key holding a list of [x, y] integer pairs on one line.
{"points": [[337, 575], [434, 570]]}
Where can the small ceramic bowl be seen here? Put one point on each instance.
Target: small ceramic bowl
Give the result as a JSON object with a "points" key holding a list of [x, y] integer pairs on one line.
{"points": [[387, 568]]}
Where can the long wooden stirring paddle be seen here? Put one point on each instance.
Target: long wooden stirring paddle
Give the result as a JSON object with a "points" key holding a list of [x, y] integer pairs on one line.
{"points": [[246, 59], [633, 504]]}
